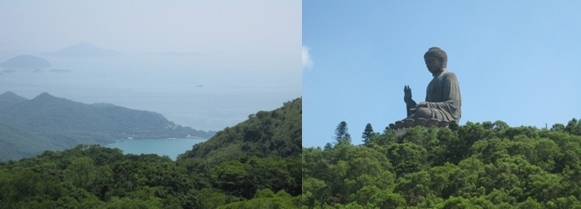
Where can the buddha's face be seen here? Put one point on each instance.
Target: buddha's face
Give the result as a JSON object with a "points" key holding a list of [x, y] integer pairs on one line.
{"points": [[433, 64]]}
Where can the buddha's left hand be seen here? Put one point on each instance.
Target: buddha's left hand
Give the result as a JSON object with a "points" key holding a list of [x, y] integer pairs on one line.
{"points": [[422, 104]]}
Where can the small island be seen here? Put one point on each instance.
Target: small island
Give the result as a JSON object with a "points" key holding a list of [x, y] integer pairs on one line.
{"points": [[26, 61]]}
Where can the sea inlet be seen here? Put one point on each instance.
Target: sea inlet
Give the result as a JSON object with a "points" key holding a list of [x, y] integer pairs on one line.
{"points": [[171, 147]]}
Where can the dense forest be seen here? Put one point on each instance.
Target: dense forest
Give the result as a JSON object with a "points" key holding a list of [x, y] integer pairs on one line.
{"points": [[50, 123], [91, 176], [275, 133], [476, 165]]}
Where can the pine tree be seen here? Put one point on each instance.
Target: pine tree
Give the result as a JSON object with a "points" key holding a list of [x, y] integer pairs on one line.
{"points": [[342, 132], [367, 133]]}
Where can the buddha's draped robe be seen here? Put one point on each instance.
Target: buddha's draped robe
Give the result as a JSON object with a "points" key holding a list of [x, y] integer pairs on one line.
{"points": [[443, 97]]}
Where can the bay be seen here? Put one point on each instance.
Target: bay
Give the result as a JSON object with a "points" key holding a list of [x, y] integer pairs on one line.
{"points": [[169, 147], [185, 97]]}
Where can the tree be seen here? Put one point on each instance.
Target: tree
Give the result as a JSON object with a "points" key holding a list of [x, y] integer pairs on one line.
{"points": [[367, 133], [211, 198], [573, 127], [342, 132], [81, 172]]}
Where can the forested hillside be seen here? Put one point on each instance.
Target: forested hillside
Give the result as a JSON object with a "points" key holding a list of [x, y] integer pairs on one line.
{"points": [[263, 152], [265, 134], [67, 123], [477, 165], [16, 143], [98, 177]]}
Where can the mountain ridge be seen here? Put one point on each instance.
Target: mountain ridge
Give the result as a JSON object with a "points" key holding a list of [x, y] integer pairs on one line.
{"points": [[68, 123], [9, 98]]}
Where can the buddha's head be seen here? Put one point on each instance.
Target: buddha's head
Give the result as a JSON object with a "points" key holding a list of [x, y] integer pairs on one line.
{"points": [[436, 59]]}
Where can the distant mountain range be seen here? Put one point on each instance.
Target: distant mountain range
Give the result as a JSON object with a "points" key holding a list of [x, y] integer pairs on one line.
{"points": [[84, 50], [25, 62], [47, 122]]}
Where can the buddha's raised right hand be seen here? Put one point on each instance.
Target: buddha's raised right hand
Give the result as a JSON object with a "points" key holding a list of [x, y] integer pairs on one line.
{"points": [[407, 98], [410, 103]]}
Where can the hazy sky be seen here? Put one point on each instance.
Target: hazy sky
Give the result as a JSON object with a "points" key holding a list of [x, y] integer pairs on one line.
{"points": [[249, 49], [516, 62], [262, 35], [151, 26]]}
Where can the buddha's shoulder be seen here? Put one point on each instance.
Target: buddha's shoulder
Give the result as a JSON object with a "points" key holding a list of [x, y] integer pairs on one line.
{"points": [[449, 74]]}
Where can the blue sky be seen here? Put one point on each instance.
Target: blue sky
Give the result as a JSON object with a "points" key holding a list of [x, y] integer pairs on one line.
{"points": [[516, 62]]}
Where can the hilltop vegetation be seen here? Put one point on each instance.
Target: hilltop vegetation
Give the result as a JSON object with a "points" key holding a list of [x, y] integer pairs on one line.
{"points": [[477, 165], [66, 123], [265, 134], [263, 152], [98, 177]]}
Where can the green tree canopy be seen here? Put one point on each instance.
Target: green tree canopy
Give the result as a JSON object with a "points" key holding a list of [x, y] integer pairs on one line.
{"points": [[476, 165]]}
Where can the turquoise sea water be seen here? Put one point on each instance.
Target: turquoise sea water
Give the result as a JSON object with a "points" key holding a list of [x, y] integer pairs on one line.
{"points": [[169, 147]]}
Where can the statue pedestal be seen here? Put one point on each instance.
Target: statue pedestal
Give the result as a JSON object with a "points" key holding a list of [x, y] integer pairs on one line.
{"points": [[401, 127]]}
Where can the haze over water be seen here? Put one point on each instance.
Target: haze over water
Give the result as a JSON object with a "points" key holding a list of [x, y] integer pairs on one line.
{"points": [[203, 64], [189, 98], [170, 147]]}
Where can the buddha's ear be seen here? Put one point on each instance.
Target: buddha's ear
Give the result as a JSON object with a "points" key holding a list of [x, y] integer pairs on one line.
{"points": [[443, 62]]}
